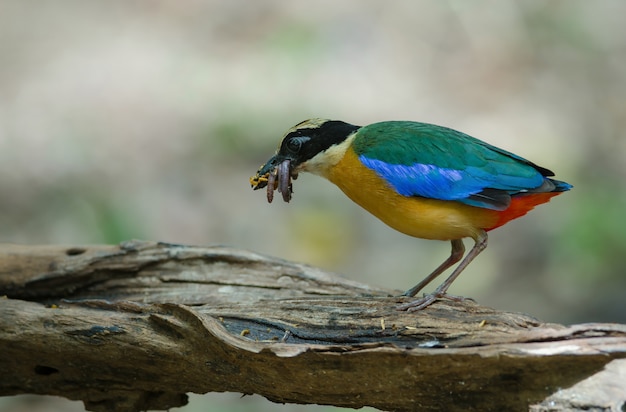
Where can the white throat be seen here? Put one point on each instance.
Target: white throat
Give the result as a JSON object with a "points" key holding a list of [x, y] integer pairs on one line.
{"points": [[321, 163]]}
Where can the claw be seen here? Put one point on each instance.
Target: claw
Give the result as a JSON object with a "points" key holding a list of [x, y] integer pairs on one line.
{"points": [[428, 300]]}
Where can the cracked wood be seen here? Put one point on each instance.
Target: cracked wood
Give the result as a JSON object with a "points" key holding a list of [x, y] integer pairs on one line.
{"points": [[139, 325]]}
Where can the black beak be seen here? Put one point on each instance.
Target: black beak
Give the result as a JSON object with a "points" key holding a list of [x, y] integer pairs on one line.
{"points": [[259, 181], [270, 165]]}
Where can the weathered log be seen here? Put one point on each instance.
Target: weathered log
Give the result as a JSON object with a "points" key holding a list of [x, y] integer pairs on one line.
{"points": [[139, 325]]}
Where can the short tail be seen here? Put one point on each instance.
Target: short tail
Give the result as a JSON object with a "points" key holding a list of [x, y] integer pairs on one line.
{"points": [[560, 186]]}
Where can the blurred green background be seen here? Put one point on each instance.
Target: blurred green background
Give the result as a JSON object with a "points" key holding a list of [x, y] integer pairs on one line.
{"points": [[144, 119]]}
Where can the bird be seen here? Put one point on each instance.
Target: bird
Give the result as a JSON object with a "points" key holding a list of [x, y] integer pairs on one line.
{"points": [[421, 179]]}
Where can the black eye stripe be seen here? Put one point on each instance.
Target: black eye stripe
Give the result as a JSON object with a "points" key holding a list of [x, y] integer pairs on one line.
{"points": [[295, 143], [311, 137]]}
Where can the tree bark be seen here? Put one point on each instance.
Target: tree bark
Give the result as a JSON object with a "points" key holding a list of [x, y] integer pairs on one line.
{"points": [[137, 326]]}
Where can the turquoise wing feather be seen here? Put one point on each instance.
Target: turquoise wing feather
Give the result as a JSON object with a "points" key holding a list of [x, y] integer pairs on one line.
{"points": [[420, 159]]}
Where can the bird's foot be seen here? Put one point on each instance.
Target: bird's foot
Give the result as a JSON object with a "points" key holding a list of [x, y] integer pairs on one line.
{"points": [[428, 300], [418, 304], [456, 298]]}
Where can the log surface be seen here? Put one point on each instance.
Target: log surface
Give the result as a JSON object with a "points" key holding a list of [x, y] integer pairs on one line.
{"points": [[138, 325]]}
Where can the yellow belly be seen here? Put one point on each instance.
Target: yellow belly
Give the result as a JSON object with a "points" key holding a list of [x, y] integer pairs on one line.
{"points": [[415, 216]]}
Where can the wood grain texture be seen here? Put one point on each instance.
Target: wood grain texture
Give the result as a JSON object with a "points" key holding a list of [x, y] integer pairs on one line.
{"points": [[139, 325]]}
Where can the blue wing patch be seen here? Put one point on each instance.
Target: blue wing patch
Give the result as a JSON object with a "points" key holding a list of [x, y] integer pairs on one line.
{"points": [[473, 186]]}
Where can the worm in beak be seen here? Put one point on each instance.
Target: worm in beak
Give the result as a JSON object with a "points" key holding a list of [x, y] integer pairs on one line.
{"points": [[284, 180], [277, 177]]}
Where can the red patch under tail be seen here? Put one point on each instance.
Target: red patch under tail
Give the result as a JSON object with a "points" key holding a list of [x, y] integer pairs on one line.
{"points": [[520, 205]]}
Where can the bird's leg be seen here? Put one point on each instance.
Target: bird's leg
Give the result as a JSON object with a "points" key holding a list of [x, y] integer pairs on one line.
{"points": [[419, 304], [458, 250]]}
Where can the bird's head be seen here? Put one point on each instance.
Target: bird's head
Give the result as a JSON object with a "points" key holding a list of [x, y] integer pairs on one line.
{"points": [[310, 146]]}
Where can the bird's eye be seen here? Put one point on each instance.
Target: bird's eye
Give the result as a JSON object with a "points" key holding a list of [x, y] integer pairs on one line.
{"points": [[294, 144]]}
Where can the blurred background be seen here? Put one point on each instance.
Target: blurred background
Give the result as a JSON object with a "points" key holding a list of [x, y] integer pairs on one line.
{"points": [[145, 119]]}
